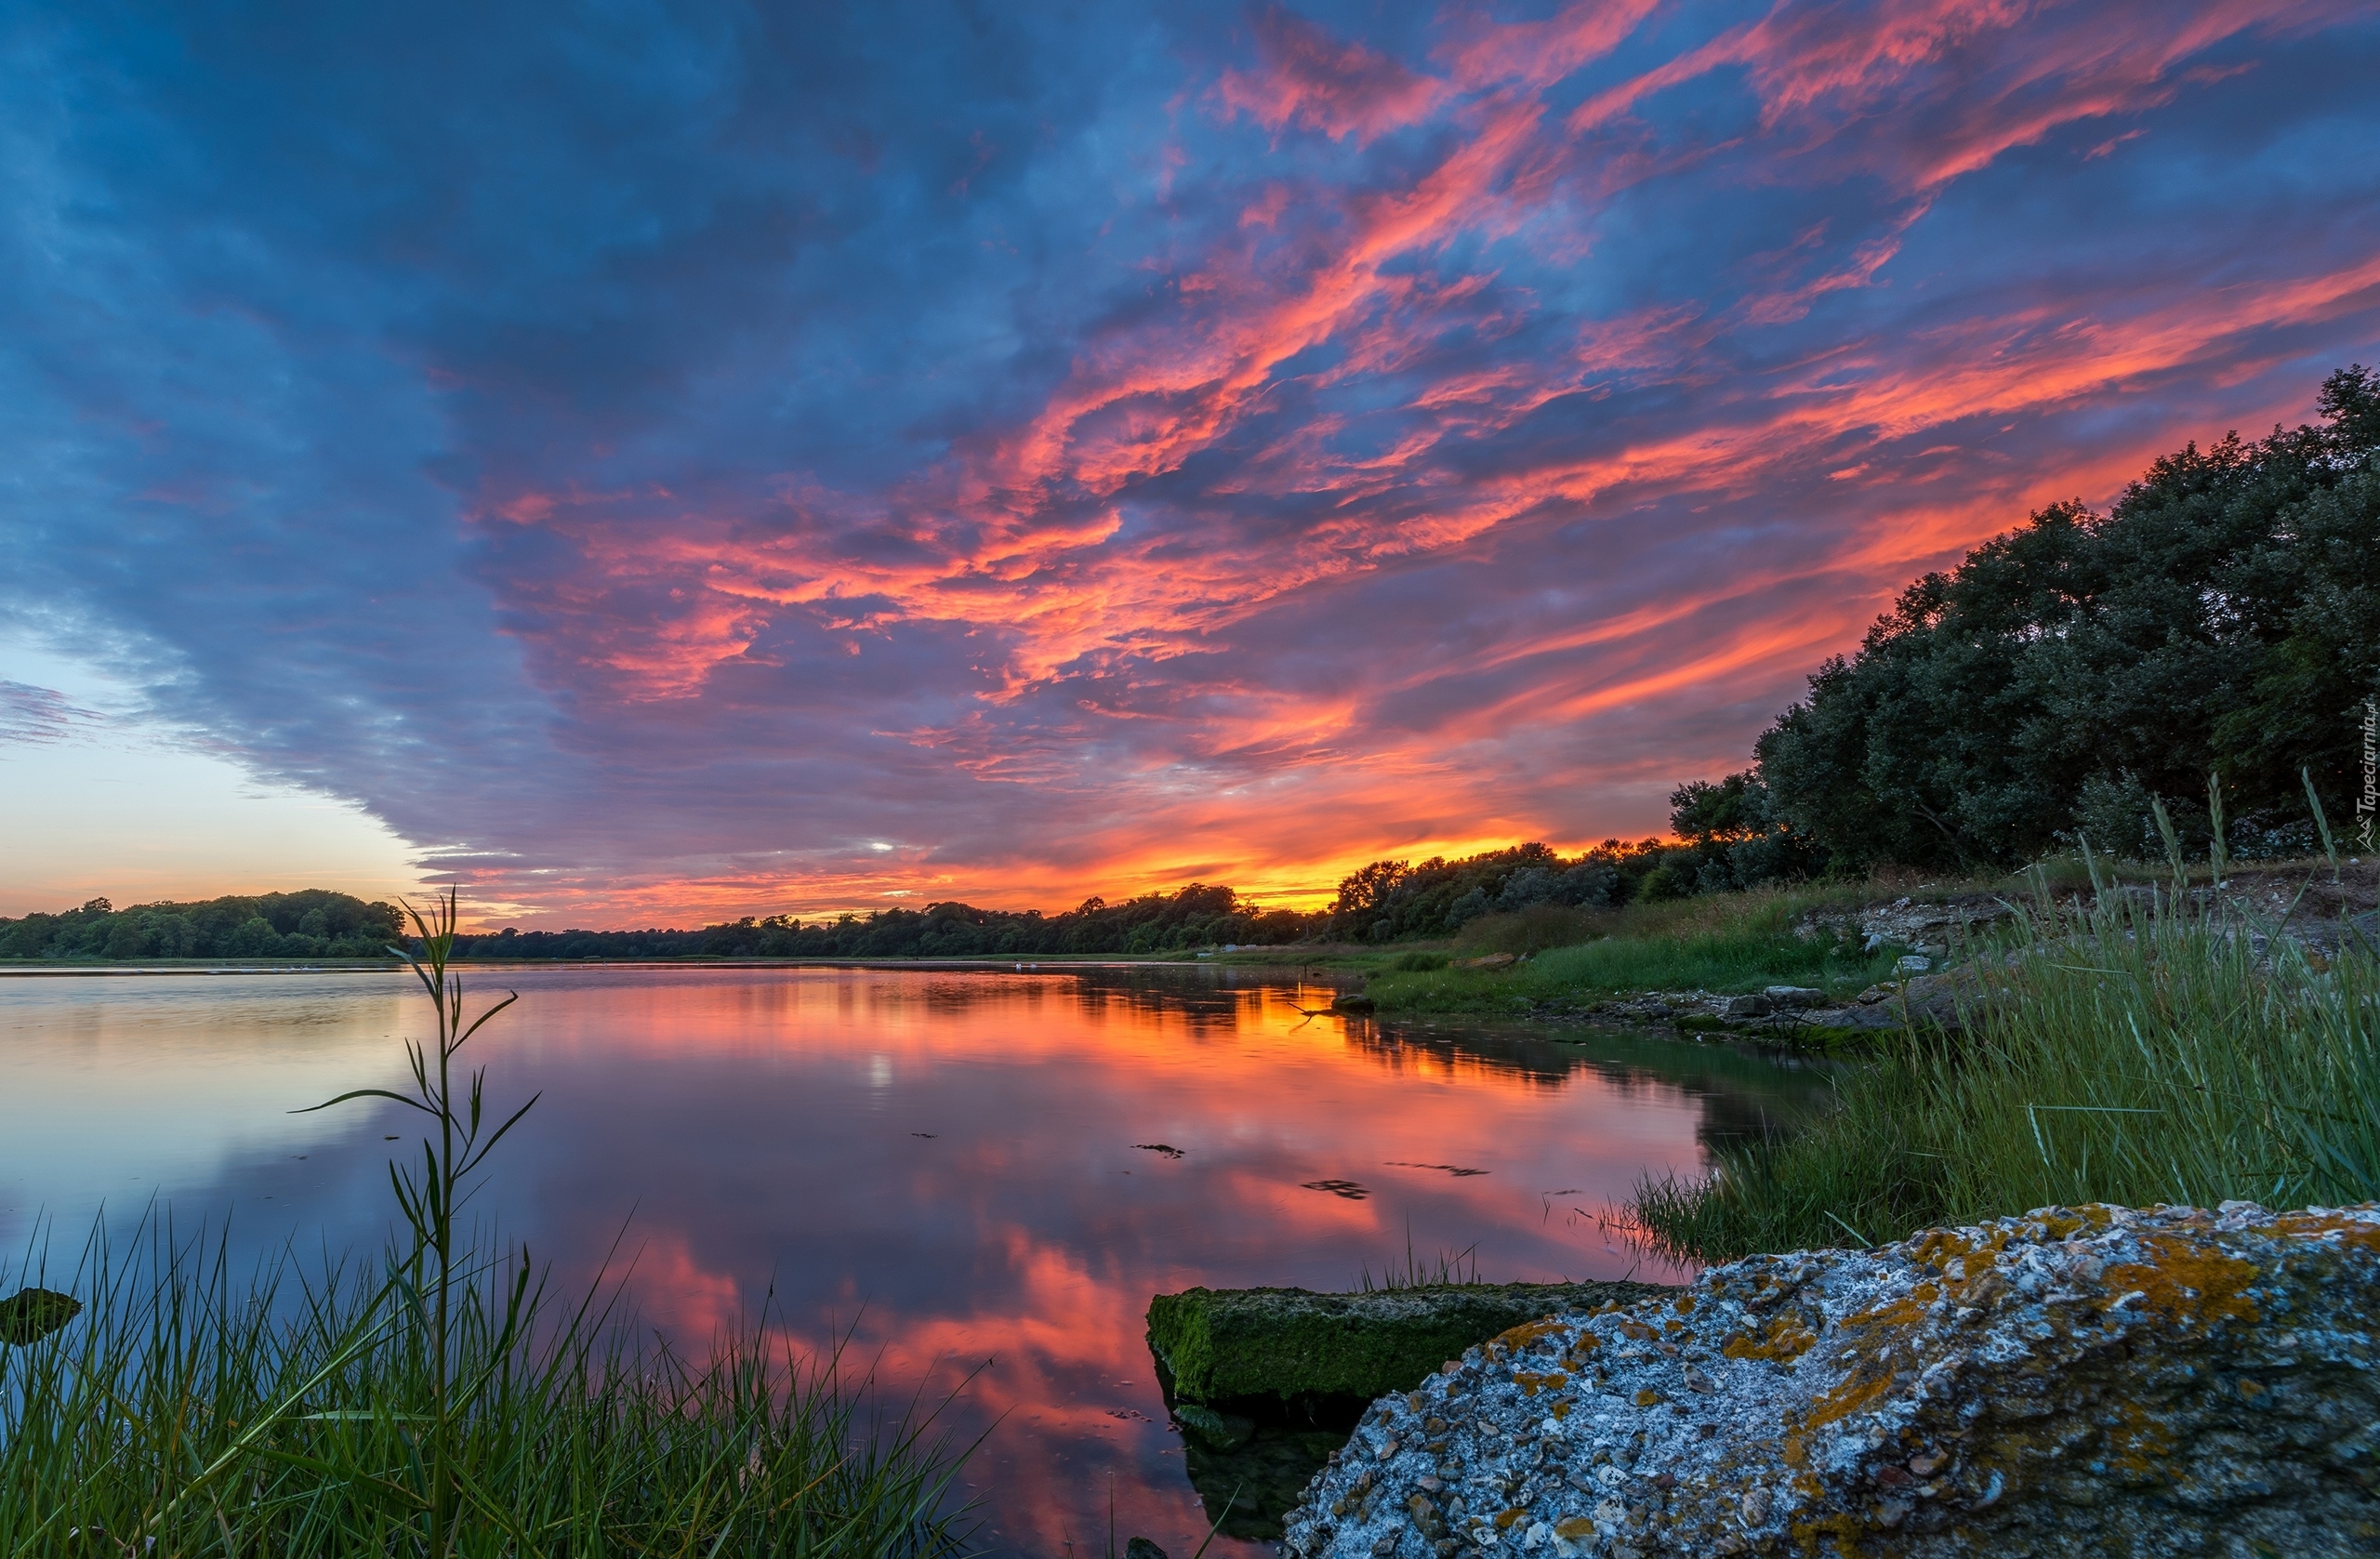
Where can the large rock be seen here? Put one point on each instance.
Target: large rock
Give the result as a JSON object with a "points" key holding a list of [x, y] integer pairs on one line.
{"points": [[1228, 1345], [2093, 1380]]}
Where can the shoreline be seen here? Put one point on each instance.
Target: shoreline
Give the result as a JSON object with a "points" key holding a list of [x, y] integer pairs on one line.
{"points": [[1046, 965]]}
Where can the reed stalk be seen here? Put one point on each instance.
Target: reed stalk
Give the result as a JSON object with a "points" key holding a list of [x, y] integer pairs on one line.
{"points": [[439, 1402]]}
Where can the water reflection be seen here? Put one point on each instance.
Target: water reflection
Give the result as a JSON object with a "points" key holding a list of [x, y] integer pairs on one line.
{"points": [[943, 1167]]}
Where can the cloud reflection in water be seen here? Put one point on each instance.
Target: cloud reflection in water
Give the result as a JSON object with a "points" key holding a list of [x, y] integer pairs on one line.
{"points": [[944, 1168]]}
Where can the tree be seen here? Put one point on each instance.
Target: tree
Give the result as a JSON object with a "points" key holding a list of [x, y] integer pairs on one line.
{"points": [[2223, 617]]}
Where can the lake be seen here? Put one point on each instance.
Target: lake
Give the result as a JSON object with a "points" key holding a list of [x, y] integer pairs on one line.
{"points": [[977, 1178]]}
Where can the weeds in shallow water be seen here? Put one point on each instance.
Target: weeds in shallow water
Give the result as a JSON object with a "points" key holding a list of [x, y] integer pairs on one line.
{"points": [[2130, 1049], [442, 1405]]}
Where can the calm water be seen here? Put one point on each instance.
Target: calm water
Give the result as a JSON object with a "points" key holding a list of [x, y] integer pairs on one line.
{"points": [[942, 1166]]}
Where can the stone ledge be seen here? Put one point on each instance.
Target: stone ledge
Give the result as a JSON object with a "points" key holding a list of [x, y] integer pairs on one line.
{"points": [[1223, 1345], [2089, 1381]]}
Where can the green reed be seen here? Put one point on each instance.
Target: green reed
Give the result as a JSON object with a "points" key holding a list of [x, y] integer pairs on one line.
{"points": [[2136, 1046], [439, 1402]]}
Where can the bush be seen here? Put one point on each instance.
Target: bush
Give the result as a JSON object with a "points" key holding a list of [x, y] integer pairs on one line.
{"points": [[1668, 880]]}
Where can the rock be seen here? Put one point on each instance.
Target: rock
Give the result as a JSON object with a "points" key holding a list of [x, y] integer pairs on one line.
{"points": [[1745, 1006], [1912, 963], [1222, 1432], [1223, 1344], [1795, 996], [1141, 1548], [30, 1314], [1871, 995], [1906, 922], [1353, 1003], [1491, 960], [2089, 1381]]}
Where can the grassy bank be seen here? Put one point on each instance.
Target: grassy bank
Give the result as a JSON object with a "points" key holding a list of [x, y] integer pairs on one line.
{"points": [[432, 1402], [2132, 1052], [222, 1414], [1720, 942]]}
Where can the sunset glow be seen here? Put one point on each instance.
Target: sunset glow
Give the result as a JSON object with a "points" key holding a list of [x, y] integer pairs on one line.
{"points": [[940, 1170], [653, 463]]}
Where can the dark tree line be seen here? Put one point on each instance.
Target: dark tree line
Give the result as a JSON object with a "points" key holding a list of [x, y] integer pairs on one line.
{"points": [[2223, 619], [1390, 899], [1198, 915], [314, 923], [317, 924]]}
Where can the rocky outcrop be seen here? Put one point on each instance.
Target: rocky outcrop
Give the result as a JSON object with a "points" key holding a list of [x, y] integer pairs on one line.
{"points": [[1929, 926], [1792, 1013], [2091, 1380], [1231, 1345], [1265, 1383]]}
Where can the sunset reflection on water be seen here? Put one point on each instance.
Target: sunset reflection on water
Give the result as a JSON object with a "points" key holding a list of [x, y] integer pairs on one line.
{"points": [[956, 1172]]}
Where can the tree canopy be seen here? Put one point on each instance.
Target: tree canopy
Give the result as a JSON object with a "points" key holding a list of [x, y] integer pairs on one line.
{"points": [[311, 923], [2223, 617], [318, 924], [1198, 915]]}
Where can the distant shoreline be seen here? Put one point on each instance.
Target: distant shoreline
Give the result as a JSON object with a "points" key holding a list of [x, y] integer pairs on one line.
{"points": [[1046, 963]]}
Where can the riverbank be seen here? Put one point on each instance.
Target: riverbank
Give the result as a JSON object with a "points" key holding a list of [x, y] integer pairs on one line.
{"points": [[1787, 960], [2121, 1048]]}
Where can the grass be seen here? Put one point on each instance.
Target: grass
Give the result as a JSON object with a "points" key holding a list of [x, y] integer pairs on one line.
{"points": [[435, 1402], [262, 1415], [2131, 1052], [1723, 943], [1458, 1270]]}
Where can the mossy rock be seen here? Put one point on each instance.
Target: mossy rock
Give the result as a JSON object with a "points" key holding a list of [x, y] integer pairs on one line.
{"points": [[1219, 1432], [1229, 1344], [30, 1314]]}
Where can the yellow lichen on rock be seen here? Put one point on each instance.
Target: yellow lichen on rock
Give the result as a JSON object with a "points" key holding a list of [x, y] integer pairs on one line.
{"points": [[2078, 1382], [2188, 1283], [1781, 1341], [1528, 1334]]}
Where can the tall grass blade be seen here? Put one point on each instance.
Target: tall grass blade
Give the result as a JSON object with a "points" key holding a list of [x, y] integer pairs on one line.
{"points": [[2321, 821]]}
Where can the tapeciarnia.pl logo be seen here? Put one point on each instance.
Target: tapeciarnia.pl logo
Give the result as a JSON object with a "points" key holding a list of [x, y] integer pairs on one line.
{"points": [[2368, 804]]}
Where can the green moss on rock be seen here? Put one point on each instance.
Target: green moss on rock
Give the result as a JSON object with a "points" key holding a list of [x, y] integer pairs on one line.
{"points": [[1223, 1344]]}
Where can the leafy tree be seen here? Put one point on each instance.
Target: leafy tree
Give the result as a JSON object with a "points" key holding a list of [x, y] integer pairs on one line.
{"points": [[1388, 900], [2223, 617], [310, 924]]}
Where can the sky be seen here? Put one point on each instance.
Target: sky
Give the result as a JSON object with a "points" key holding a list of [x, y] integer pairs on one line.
{"points": [[651, 464]]}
